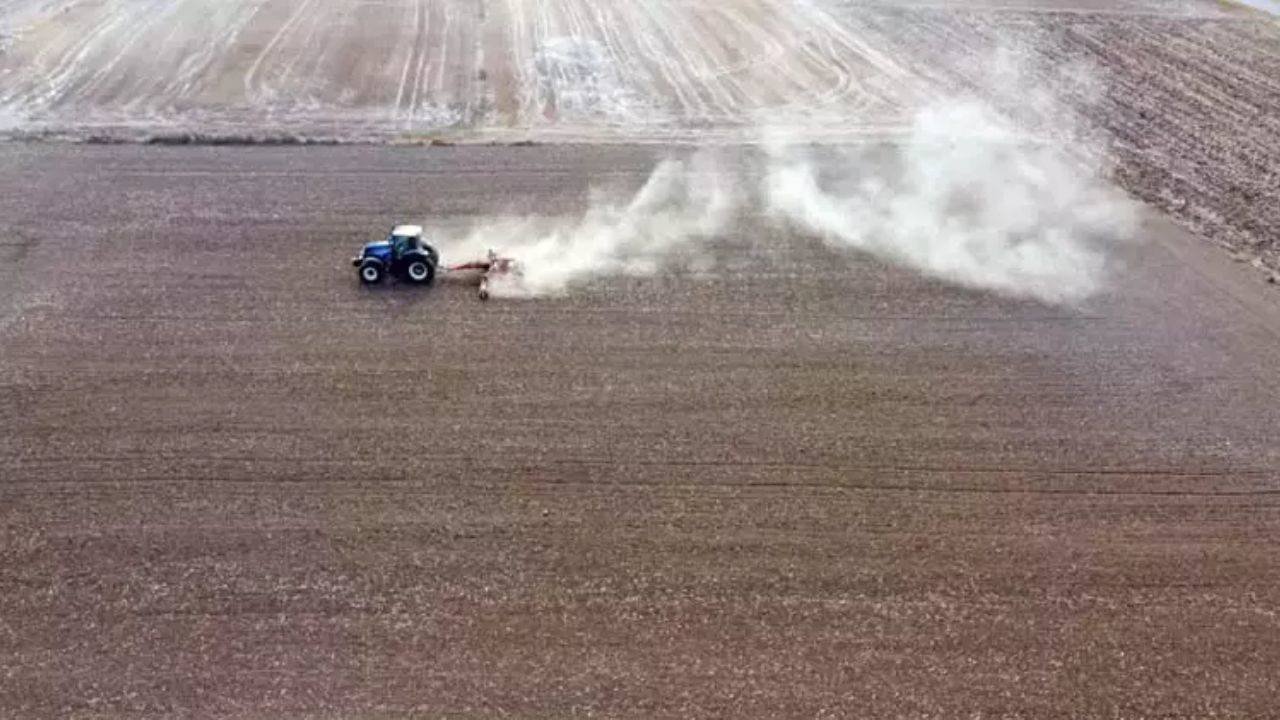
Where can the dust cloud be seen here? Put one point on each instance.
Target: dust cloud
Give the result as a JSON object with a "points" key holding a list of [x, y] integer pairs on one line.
{"points": [[965, 198], [682, 205]]}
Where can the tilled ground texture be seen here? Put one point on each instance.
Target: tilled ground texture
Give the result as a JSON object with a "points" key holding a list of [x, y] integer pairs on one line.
{"points": [[1184, 103], [234, 483]]}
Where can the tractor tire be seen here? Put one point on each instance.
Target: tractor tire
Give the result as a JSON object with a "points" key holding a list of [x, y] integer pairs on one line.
{"points": [[420, 270], [372, 272]]}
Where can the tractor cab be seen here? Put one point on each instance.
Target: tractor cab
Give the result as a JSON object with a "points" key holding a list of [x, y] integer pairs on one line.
{"points": [[405, 239]]}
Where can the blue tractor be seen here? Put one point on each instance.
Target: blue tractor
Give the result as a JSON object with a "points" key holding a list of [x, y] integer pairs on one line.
{"points": [[403, 254]]}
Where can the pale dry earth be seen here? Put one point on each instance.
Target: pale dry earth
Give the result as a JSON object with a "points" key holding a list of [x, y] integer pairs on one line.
{"points": [[235, 484], [377, 69], [497, 69]]}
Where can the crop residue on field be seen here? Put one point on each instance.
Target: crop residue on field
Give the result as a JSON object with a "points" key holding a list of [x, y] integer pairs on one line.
{"points": [[402, 67]]}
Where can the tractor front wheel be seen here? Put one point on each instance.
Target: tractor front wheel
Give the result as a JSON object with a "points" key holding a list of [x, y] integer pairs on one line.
{"points": [[371, 272]]}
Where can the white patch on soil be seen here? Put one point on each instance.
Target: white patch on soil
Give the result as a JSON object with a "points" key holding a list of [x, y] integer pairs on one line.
{"points": [[578, 79]]}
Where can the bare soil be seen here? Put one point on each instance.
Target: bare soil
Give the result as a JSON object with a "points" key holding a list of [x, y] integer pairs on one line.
{"points": [[236, 484]]}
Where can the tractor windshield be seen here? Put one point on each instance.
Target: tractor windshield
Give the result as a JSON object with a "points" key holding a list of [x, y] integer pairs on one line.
{"points": [[401, 244]]}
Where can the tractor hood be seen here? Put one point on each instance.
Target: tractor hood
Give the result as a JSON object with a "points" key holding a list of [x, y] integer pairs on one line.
{"points": [[378, 248]]}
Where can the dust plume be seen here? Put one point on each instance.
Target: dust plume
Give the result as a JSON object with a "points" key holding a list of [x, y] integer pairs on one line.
{"points": [[682, 205], [1006, 201], [965, 198]]}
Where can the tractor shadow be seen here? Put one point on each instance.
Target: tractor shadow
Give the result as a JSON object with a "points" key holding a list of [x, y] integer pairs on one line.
{"points": [[397, 297]]}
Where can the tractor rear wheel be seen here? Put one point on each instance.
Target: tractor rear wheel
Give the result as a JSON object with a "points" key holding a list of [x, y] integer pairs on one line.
{"points": [[420, 270]]}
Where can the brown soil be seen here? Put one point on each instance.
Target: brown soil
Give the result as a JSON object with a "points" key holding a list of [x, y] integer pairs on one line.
{"points": [[237, 484]]}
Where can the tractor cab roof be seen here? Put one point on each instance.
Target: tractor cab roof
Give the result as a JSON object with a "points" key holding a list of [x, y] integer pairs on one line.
{"points": [[407, 231]]}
